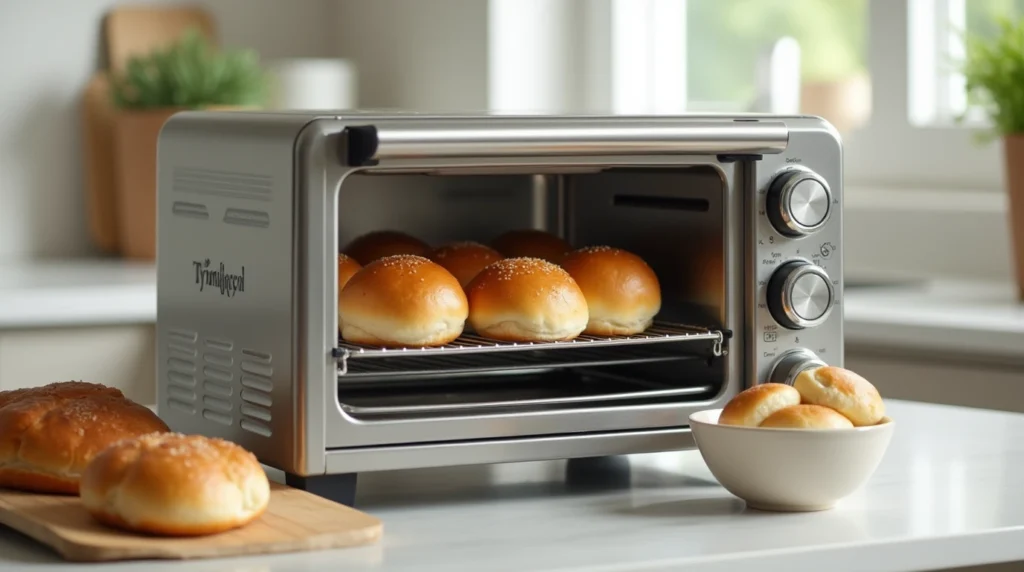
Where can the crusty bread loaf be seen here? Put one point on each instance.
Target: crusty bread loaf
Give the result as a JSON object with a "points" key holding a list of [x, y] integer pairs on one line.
{"points": [[49, 434], [623, 293], [402, 301], [347, 267], [526, 300], [807, 416], [465, 259], [753, 405], [383, 243], [175, 485], [842, 390], [530, 243]]}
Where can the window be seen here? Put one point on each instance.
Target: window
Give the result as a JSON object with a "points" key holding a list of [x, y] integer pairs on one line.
{"points": [[937, 29], [923, 196]]}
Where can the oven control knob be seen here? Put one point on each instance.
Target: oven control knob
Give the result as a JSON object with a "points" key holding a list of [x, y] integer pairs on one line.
{"points": [[790, 365], [799, 202], [800, 295]]}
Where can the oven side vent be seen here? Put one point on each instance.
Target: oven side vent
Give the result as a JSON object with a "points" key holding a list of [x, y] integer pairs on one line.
{"points": [[218, 375], [181, 371], [256, 386]]}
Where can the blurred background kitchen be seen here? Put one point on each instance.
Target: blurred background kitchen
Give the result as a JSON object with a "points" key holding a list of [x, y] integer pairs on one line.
{"points": [[933, 307]]}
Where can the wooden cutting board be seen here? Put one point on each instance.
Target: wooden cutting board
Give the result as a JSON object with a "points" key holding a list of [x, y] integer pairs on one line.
{"points": [[295, 521]]}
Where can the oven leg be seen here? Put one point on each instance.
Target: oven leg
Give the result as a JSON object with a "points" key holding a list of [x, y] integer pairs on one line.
{"points": [[338, 488], [585, 474]]}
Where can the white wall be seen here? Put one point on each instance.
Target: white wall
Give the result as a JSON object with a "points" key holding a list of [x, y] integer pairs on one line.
{"points": [[48, 51], [426, 55]]}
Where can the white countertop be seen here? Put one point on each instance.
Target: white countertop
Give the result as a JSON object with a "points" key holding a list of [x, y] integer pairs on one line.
{"points": [[65, 293], [947, 494]]}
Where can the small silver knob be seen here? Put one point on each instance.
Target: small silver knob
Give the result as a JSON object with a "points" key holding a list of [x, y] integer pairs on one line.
{"points": [[799, 202], [790, 365], [800, 295]]}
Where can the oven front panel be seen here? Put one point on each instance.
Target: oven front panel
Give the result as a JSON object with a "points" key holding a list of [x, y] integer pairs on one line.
{"points": [[675, 215]]}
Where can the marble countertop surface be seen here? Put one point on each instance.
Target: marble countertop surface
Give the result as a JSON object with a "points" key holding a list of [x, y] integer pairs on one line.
{"points": [[947, 494]]}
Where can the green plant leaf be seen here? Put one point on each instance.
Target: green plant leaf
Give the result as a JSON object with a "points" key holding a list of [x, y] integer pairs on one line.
{"points": [[994, 74], [190, 74]]}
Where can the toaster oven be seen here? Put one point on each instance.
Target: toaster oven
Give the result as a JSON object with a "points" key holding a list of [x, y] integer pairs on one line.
{"points": [[739, 216]]}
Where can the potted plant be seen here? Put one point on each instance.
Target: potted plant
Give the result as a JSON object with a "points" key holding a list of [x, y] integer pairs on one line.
{"points": [[188, 74], [994, 73]]}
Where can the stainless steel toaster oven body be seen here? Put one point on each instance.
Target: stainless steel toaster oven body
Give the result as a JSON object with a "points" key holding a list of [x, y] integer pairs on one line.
{"points": [[740, 216]]}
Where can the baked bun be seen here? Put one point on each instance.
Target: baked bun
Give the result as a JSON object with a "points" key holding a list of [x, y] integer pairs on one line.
{"points": [[383, 243], [842, 390], [402, 301], [49, 434], [175, 485], [526, 300], [806, 416], [752, 406], [465, 259], [622, 291], [529, 243], [347, 267]]}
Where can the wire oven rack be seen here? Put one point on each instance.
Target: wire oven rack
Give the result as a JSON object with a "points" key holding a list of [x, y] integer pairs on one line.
{"points": [[472, 353]]}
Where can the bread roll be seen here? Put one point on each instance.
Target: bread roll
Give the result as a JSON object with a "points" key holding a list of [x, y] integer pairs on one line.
{"points": [[529, 243], [175, 485], [622, 291], [383, 243], [842, 390], [526, 300], [49, 434], [806, 416], [347, 267], [752, 406], [465, 259], [402, 301]]}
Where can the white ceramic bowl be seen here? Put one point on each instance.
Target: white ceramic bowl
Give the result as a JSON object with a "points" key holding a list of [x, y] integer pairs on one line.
{"points": [[790, 469]]}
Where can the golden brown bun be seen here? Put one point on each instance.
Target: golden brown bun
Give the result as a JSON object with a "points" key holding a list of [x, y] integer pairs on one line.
{"points": [[383, 243], [175, 485], [752, 406], [49, 434], [622, 291], [347, 267], [402, 301], [530, 243], [842, 390], [465, 259], [526, 300], [806, 416]]}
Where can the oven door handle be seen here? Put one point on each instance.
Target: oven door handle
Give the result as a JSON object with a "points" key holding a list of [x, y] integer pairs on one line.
{"points": [[477, 138]]}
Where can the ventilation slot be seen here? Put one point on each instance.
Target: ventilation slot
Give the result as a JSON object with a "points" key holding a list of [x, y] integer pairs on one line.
{"points": [[257, 384], [181, 368], [223, 183], [218, 378], [663, 203], [190, 210], [258, 219]]}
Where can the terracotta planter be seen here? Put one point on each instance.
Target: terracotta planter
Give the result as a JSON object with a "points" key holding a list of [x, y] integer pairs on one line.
{"points": [[135, 143], [846, 104], [1013, 149]]}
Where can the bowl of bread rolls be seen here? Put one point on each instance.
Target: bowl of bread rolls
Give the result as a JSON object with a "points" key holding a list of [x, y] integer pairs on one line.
{"points": [[800, 447]]}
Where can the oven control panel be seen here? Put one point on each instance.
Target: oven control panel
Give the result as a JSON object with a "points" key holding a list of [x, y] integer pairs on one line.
{"points": [[797, 260]]}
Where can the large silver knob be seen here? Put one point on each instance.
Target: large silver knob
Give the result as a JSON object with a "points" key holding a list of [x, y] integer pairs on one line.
{"points": [[800, 295], [799, 202], [790, 365]]}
